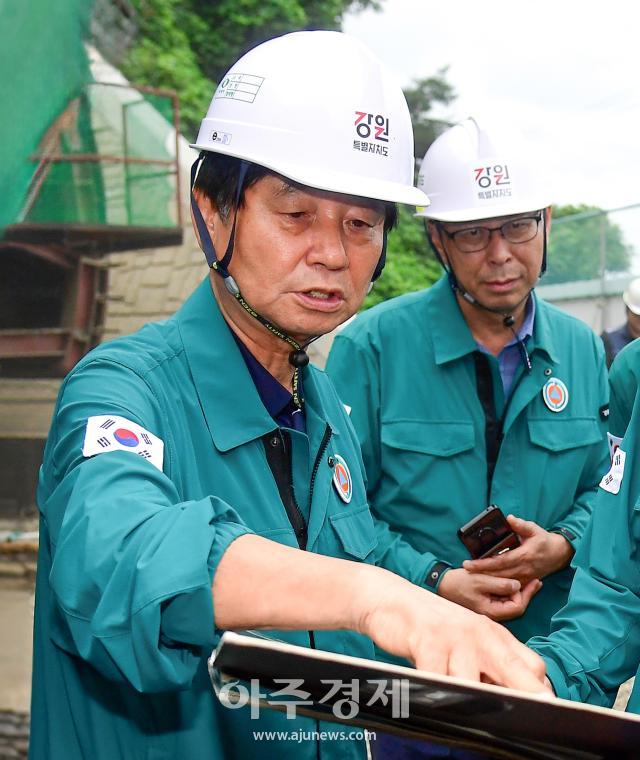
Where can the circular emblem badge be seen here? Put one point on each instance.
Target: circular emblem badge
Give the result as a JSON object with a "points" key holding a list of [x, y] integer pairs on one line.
{"points": [[126, 437], [555, 394], [342, 479]]}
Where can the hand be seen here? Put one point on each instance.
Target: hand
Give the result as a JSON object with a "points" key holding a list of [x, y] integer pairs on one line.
{"points": [[498, 598], [540, 553], [445, 638]]}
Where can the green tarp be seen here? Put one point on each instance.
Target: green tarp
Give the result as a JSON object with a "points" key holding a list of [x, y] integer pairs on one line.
{"points": [[43, 65]]}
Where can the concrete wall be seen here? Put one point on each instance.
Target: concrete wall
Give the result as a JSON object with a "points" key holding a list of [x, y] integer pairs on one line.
{"points": [[596, 302]]}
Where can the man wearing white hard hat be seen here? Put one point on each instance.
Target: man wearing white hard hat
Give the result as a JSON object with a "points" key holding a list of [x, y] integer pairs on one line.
{"points": [[615, 340], [478, 393], [623, 356], [199, 476]]}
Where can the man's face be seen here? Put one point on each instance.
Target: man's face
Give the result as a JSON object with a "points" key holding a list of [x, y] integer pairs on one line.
{"points": [[501, 275], [302, 258]]}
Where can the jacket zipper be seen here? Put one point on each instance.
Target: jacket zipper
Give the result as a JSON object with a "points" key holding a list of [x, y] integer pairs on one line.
{"points": [[316, 465], [296, 517]]}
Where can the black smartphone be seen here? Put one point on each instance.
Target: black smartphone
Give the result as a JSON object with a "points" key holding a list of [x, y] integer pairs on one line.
{"points": [[488, 534]]}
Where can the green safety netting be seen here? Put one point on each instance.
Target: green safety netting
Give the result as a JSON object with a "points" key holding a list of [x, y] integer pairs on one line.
{"points": [[63, 137]]}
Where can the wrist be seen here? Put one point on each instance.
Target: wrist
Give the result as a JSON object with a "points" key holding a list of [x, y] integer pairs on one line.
{"points": [[374, 591], [449, 582], [563, 549], [435, 575], [567, 534]]}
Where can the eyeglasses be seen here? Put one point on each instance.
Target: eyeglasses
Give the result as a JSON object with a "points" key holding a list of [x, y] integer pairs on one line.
{"points": [[472, 239]]}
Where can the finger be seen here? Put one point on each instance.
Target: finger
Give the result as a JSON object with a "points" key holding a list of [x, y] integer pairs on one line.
{"points": [[530, 590], [497, 586], [502, 563], [524, 528], [519, 674], [463, 663], [430, 658], [510, 663], [505, 608], [508, 608]]}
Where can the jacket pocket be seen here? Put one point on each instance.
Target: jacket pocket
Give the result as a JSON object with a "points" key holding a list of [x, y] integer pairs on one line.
{"points": [[563, 434], [437, 438], [356, 531]]}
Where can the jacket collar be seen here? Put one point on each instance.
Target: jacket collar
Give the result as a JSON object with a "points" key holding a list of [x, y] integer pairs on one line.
{"points": [[228, 397], [452, 338], [544, 334]]}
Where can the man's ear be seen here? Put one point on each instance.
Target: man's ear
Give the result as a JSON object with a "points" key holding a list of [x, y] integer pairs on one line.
{"points": [[207, 209], [210, 215], [547, 219], [436, 240]]}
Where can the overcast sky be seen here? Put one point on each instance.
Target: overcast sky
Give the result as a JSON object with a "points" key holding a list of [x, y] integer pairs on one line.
{"points": [[567, 73]]}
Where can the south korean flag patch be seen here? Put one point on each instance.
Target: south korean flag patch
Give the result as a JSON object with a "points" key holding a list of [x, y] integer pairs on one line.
{"points": [[108, 432], [612, 481]]}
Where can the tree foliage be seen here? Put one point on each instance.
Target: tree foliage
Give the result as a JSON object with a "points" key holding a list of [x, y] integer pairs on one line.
{"points": [[421, 97], [575, 248], [410, 263], [188, 45]]}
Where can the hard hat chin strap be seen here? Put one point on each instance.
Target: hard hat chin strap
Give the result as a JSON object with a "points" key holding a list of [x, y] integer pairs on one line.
{"points": [[508, 320], [543, 268], [298, 357], [381, 261], [220, 266]]}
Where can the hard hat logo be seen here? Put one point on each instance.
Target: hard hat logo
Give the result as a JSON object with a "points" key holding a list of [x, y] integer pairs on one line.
{"points": [[492, 181], [486, 176], [367, 123], [373, 129]]}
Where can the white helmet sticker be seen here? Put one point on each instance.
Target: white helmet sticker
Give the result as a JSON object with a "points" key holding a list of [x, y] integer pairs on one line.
{"points": [[243, 87]]}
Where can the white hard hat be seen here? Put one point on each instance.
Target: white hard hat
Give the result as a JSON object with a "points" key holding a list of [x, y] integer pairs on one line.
{"points": [[320, 109], [631, 296], [471, 172]]}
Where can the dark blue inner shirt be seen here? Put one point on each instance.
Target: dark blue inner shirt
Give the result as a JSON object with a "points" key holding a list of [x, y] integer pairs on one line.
{"points": [[278, 401]]}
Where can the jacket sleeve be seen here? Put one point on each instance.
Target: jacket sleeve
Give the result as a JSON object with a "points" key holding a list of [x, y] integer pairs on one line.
{"points": [[597, 461], [594, 644], [131, 563], [356, 378]]}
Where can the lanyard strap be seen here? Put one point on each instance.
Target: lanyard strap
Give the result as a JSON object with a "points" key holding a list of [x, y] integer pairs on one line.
{"points": [[492, 424]]}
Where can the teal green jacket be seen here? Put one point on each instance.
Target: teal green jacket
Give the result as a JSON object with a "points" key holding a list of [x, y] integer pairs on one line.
{"points": [[407, 371], [124, 615], [594, 644], [624, 375]]}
